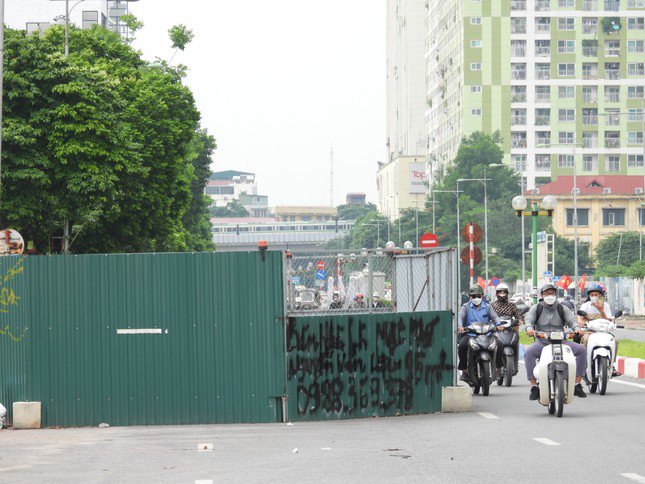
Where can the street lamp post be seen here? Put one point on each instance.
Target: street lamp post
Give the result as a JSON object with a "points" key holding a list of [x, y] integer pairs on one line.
{"points": [[519, 205]]}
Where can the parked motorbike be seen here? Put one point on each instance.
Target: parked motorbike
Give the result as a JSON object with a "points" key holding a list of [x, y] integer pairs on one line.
{"points": [[555, 372], [508, 341], [601, 350], [481, 356]]}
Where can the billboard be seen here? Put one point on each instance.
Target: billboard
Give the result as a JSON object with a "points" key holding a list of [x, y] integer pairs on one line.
{"points": [[417, 177]]}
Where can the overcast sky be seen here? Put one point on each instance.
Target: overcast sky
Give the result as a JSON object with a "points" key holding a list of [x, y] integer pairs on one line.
{"points": [[278, 83]]}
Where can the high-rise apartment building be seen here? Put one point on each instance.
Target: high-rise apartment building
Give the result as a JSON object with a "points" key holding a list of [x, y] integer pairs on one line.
{"points": [[38, 15], [563, 81]]}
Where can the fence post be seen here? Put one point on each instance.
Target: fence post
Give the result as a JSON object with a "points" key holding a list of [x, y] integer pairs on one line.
{"points": [[370, 282]]}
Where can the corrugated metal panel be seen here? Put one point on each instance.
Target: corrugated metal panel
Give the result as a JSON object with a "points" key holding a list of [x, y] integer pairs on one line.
{"points": [[219, 356], [368, 364]]}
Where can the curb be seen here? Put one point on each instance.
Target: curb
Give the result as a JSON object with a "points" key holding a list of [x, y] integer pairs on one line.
{"points": [[631, 367]]}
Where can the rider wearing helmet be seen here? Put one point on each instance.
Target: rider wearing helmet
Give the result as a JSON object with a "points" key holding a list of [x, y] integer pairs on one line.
{"points": [[475, 310], [504, 307], [550, 315], [359, 301], [336, 303], [596, 307]]}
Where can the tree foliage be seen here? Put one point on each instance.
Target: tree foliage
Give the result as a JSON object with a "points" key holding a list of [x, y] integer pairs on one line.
{"points": [[98, 142], [354, 212], [180, 36], [232, 209], [619, 249]]}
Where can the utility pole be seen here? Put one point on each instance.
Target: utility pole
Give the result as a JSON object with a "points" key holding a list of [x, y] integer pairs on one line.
{"points": [[1, 83], [331, 176]]}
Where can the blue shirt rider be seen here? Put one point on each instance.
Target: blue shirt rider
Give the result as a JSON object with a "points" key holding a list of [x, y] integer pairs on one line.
{"points": [[477, 310]]}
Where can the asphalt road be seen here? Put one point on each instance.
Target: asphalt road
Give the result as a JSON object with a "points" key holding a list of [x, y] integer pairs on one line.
{"points": [[635, 334], [598, 439]]}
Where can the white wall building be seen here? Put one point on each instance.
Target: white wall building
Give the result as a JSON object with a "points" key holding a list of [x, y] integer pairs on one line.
{"points": [[38, 15]]}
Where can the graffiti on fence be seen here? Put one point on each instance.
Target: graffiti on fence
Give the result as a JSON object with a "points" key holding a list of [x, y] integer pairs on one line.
{"points": [[353, 367], [9, 299]]}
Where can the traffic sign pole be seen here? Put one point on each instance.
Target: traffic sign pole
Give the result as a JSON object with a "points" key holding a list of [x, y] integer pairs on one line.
{"points": [[471, 237]]}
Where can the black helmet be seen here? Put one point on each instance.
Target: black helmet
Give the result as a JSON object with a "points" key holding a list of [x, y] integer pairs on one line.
{"points": [[547, 287], [596, 288], [476, 290]]}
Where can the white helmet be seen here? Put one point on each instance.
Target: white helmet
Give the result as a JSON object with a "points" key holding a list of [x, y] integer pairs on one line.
{"points": [[501, 287]]}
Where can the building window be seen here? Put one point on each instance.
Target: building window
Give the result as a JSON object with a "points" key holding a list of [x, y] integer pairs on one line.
{"points": [[566, 46], [589, 139], [542, 48], [612, 94], [635, 23], [518, 162], [636, 68], [566, 92], [635, 46], [635, 161], [475, 20], [567, 70], [542, 117], [612, 48], [566, 115], [542, 93], [635, 138], [612, 163], [566, 23], [613, 216], [635, 92], [590, 94], [475, 66], [90, 18], [636, 3], [518, 48], [518, 117], [542, 162], [589, 162], [641, 217], [518, 25], [543, 71], [476, 43], [476, 89], [476, 112], [566, 137], [583, 216], [518, 71], [565, 161], [566, 3]]}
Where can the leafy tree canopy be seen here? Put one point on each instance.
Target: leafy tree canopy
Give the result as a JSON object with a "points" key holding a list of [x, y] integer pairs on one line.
{"points": [[354, 212], [180, 36], [232, 209], [96, 142], [619, 249]]}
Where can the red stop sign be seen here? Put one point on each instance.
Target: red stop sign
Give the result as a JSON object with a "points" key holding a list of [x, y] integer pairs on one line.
{"points": [[320, 265], [428, 240]]}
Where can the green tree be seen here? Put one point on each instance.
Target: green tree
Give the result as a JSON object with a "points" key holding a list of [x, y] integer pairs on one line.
{"points": [[636, 270], [96, 145], [232, 209], [619, 249], [354, 212]]}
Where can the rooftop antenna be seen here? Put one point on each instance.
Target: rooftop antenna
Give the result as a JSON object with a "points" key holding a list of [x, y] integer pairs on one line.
{"points": [[331, 176]]}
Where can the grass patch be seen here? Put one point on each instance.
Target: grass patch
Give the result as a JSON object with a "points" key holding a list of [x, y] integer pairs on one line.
{"points": [[626, 347]]}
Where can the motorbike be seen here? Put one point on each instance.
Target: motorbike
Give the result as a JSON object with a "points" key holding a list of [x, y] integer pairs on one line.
{"points": [[601, 350], [508, 341], [481, 356], [555, 372]]}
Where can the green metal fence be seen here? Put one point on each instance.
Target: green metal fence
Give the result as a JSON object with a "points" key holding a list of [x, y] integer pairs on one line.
{"points": [[145, 338], [367, 365]]}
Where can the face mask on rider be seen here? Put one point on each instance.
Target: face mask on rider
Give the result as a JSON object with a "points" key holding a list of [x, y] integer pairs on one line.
{"points": [[549, 299], [476, 301], [594, 299]]}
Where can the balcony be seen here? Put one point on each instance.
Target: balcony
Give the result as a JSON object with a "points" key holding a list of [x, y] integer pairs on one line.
{"points": [[542, 120], [518, 142], [612, 52], [612, 74], [590, 74], [518, 120], [590, 142], [519, 75], [543, 28], [542, 6], [589, 5], [590, 26], [543, 142], [612, 97], [518, 98], [612, 120], [612, 143], [590, 51], [589, 120], [518, 29], [543, 74], [518, 52], [518, 5], [543, 51]]}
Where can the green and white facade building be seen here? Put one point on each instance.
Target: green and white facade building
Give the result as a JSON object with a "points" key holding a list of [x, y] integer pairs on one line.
{"points": [[562, 80]]}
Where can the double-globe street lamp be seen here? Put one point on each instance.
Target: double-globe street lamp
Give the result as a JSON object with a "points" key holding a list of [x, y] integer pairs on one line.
{"points": [[519, 205]]}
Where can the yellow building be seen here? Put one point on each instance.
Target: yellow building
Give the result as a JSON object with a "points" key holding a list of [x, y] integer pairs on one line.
{"points": [[305, 214], [401, 184], [605, 205]]}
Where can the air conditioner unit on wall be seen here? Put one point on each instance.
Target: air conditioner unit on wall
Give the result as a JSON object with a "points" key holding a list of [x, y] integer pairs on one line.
{"points": [[606, 191], [535, 191], [638, 191]]}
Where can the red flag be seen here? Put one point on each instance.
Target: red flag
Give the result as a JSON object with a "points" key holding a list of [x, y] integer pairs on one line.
{"points": [[583, 281], [564, 281], [481, 282]]}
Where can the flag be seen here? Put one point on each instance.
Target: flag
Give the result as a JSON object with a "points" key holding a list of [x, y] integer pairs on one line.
{"points": [[583, 281], [494, 281], [564, 281], [481, 282]]}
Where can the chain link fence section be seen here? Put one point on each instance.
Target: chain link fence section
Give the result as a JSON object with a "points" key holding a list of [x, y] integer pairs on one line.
{"points": [[426, 282], [336, 283]]}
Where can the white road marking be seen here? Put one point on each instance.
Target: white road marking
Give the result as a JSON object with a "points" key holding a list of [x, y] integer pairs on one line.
{"points": [[204, 481], [544, 441], [325, 448], [488, 415], [632, 384], [634, 477], [204, 447]]}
